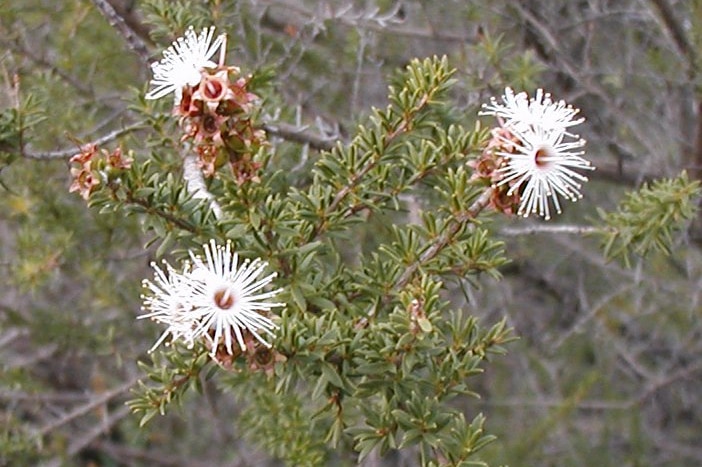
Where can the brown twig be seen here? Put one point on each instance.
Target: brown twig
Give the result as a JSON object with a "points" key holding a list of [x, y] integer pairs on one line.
{"points": [[68, 152], [347, 19], [299, 135], [402, 127], [445, 238], [677, 32], [99, 400], [42, 62], [129, 455], [134, 42], [99, 429], [149, 209]]}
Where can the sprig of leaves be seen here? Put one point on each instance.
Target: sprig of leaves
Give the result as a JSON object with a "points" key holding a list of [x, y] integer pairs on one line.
{"points": [[647, 219]]}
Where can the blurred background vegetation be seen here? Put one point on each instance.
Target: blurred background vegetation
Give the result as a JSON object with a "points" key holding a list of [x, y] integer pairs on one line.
{"points": [[607, 370]]}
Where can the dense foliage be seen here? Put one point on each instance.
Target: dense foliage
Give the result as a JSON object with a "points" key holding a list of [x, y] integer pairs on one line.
{"points": [[421, 323]]}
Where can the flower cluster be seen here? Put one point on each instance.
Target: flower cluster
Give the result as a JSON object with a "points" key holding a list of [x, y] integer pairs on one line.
{"points": [[486, 169], [88, 170], [533, 157], [214, 298], [212, 103]]}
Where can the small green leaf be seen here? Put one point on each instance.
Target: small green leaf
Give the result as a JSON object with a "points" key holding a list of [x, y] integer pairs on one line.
{"points": [[298, 297], [425, 325]]}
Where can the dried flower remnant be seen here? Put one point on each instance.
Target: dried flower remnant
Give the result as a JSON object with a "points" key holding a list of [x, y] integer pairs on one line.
{"points": [[212, 103], [86, 154], [257, 356], [92, 166], [85, 179], [486, 169], [540, 155], [419, 323], [215, 116], [117, 160], [215, 299]]}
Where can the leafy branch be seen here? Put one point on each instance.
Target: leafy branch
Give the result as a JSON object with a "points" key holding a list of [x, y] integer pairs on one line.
{"points": [[172, 380], [647, 219], [347, 167]]}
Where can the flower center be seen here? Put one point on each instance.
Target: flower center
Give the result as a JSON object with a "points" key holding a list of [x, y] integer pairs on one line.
{"points": [[209, 124], [212, 88], [224, 298], [541, 156], [263, 356], [486, 167]]}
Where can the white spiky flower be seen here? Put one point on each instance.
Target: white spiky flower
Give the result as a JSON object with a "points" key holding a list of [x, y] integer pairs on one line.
{"points": [[168, 303], [183, 62], [216, 298], [521, 112], [228, 297], [541, 154], [542, 167]]}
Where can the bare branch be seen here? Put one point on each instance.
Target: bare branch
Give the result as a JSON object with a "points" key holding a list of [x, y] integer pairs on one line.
{"points": [[355, 20], [555, 403], [195, 183], [592, 313], [548, 228], [99, 400], [130, 455], [42, 62], [299, 135], [68, 152], [134, 42], [16, 396], [83, 441], [100, 428], [657, 384], [664, 441], [677, 33]]}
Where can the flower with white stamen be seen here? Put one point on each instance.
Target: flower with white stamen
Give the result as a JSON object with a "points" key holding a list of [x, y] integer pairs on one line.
{"points": [[216, 298], [521, 112], [183, 62], [542, 165], [540, 153], [168, 303], [228, 299]]}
